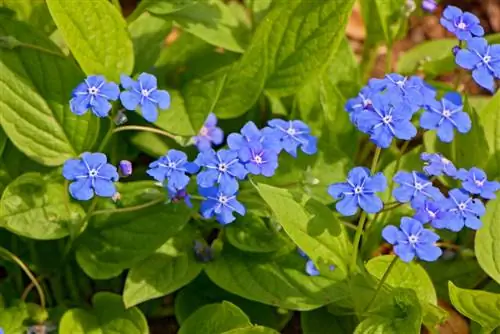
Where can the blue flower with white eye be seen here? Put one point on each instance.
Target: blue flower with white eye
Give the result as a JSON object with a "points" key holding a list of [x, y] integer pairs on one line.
{"points": [[463, 25], [221, 202], [91, 174], [385, 121], [360, 103], [250, 135], [464, 210], [359, 191], [483, 60], [208, 134], [173, 167], [94, 93], [445, 116], [261, 160], [144, 93], [476, 182], [293, 134], [436, 164], [411, 240], [415, 187], [176, 196], [435, 212], [222, 167]]}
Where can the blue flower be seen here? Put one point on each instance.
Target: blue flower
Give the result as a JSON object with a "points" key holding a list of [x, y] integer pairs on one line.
{"points": [[436, 164], [415, 187], [178, 195], [476, 182], [411, 240], [94, 93], [91, 174], [385, 121], [262, 161], [209, 133], [221, 202], [465, 211], [360, 103], [125, 168], [293, 134], [144, 93], [483, 60], [173, 166], [435, 212], [429, 5], [251, 135], [463, 25], [358, 191], [446, 115], [221, 167]]}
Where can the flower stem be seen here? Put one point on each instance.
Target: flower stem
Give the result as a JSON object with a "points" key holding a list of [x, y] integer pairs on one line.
{"points": [[144, 128], [28, 273], [459, 72], [130, 208], [381, 283], [388, 59]]}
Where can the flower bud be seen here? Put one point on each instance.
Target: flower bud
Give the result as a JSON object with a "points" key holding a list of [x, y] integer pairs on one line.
{"points": [[125, 168], [455, 50], [429, 5]]}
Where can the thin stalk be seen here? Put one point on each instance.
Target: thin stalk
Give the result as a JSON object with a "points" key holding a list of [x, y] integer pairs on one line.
{"points": [[143, 128], [388, 59], [41, 49], [28, 273], [30, 287], [381, 283], [130, 208], [81, 229], [398, 163], [459, 72]]}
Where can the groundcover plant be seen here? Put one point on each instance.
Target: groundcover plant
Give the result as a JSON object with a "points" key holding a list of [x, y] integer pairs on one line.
{"points": [[248, 173]]}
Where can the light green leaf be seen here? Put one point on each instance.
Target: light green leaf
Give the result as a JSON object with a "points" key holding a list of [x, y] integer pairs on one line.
{"points": [[160, 7], [278, 280], [108, 316], [116, 241], [384, 20], [12, 319], [148, 36], [312, 227], [481, 306], [34, 12], [215, 319], [431, 56], [322, 321], [252, 330], [259, 9], [172, 266], [97, 36], [36, 88], [487, 242], [3, 140], [489, 118], [177, 119], [39, 208]]}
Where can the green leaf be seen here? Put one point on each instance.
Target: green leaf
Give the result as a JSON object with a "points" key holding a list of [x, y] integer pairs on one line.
{"points": [[36, 87], [15, 163], [384, 20], [116, 241], [322, 321], [34, 12], [252, 234], [480, 306], [487, 241], [3, 140], [148, 36], [172, 266], [97, 36], [12, 319], [36, 207], [150, 143], [430, 56], [177, 120], [215, 319], [160, 7], [312, 227], [490, 121], [278, 280], [108, 316], [252, 330]]}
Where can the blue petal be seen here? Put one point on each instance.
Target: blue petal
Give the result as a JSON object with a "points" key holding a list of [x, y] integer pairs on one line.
{"points": [[403, 194], [100, 106], [207, 178], [405, 130], [428, 252], [130, 100], [191, 167], [108, 172], [110, 90], [390, 234], [237, 206], [235, 141], [311, 269], [405, 252], [147, 81], [357, 175], [484, 78], [478, 45], [104, 188], [95, 80], [454, 98], [162, 98], [127, 82], [79, 104], [250, 131], [430, 120], [225, 217], [467, 59], [149, 111], [94, 160], [370, 203], [451, 12], [347, 206], [337, 190], [178, 180], [445, 131], [290, 146], [411, 226], [159, 174], [73, 168], [310, 147], [81, 189], [462, 121]]}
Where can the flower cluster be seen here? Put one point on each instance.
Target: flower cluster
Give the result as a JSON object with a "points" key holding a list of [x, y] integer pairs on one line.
{"points": [[94, 93], [478, 56]]}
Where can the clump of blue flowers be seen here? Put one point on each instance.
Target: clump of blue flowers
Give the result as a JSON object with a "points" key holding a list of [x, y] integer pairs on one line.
{"points": [[94, 93]]}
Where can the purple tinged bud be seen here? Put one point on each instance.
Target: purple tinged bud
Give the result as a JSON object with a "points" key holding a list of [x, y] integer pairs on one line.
{"points": [[125, 168], [429, 5], [455, 50]]}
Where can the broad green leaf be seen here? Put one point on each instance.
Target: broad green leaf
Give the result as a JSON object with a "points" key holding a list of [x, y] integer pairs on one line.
{"points": [[3, 141], [487, 242], [322, 321], [159, 7], [15, 163], [489, 118], [12, 319], [172, 266], [150, 143], [312, 227], [108, 316], [278, 280], [177, 120], [481, 306], [429, 57], [39, 208], [96, 33], [252, 330], [252, 234], [405, 316], [34, 12], [116, 241], [215, 319], [202, 291], [36, 88], [479, 102], [148, 36], [259, 9], [384, 20]]}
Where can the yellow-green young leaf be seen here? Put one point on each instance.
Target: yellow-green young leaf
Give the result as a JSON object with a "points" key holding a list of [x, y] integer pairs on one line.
{"points": [[172, 266], [97, 36], [487, 243], [489, 118], [38, 208], [107, 316], [34, 12], [481, 306], [215, 319], [35, 91]]}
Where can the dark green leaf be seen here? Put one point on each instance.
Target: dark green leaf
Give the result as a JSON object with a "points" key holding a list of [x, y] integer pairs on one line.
{"points": [[490, 121], [488, 239], [322, 321], [3, 141], [252, 330], [34, 12], [177, 120]]}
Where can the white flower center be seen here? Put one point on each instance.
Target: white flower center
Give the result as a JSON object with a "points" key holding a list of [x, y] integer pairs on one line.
{"points": [[461, 26], [367, 103], [445, 161], [92, 173], [487, 59], [172, 164], [400, 83], [145, 92], [358, 190], [222, 167], [257, 159], [223, 199], [93, 90], [462, 206], [203, 132], [479, 183], [446, 113], [413, 239], [387, 119], [419, 186], [291, 131]]}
